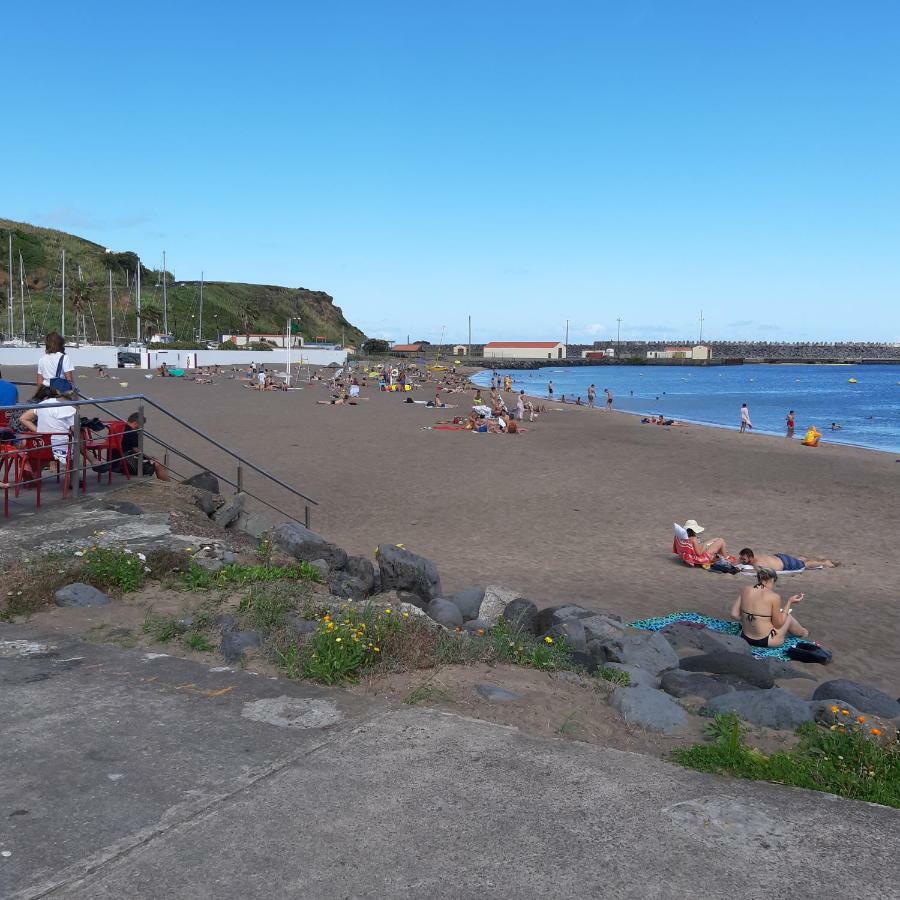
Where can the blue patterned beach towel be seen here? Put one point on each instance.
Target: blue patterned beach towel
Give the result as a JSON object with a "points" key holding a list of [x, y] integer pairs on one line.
{"points": [[721, 625]]}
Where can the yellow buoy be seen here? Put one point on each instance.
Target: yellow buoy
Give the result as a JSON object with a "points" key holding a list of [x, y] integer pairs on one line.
{"points": [[852, 381]]}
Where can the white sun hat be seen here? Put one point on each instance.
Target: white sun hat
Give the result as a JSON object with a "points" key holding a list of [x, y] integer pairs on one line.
{"points": [[692, 525]]}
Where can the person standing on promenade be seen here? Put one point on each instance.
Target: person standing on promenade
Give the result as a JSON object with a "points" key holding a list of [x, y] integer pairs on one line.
{"points": [[609, 399], [790, 423], [592, 396], [745, 418], [520, 406], [549, 390]]}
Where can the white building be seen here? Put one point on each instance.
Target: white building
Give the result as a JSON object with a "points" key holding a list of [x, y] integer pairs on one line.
{"points": [[276, 340], [608, 353], [525, 350], [698, 351]]}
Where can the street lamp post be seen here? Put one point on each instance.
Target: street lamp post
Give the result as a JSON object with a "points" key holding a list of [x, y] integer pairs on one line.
{"points": [[618, 334]]}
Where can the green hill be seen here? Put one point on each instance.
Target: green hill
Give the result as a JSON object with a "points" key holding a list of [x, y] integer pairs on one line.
{"points": [[228, 307]]}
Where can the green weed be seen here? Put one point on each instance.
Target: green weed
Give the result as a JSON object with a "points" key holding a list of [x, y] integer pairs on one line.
{"points": [[161, 628], [113, 569], [613, 676], [860, 761], [197, 641]]}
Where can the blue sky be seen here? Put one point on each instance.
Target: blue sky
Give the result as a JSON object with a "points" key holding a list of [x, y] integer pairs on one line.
{"points": [[523, 163]]}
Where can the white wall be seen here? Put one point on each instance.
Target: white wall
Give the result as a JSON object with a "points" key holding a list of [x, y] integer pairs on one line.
{"points": [[525, 353], [80, 356], [270, 359]]}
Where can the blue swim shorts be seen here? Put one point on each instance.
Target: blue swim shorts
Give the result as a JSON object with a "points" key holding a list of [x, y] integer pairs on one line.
{"points": [[791, 563]]}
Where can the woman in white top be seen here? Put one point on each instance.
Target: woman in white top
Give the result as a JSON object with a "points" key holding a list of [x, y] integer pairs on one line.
{"points": [[53, 418], [48, 364]]}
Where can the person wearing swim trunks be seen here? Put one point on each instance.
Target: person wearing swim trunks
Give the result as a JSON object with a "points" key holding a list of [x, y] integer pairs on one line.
{"points": [[790, 424], [782, 562], [764, 622]]}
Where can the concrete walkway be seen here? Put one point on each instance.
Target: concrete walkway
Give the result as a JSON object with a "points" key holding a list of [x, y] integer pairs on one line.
{"points": [[133, 775]]}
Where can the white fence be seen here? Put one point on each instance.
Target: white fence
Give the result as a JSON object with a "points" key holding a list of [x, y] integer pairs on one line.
{"points": [[87, 357], [187, 359]]}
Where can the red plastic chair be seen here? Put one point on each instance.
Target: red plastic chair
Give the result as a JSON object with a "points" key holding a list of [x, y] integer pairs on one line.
{"points": [[112, 444], [36, 452]]}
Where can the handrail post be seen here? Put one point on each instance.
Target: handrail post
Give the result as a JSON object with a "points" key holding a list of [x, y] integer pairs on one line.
{"points": [[306, 515], [75, 468], [240, 479], [140, 449]]}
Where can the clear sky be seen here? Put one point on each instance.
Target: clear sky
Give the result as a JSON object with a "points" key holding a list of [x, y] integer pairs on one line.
{"points": [[521, 162]]}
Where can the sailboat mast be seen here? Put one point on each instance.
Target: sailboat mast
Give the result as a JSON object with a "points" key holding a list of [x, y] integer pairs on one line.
{"points": [[62, 315], [112, 336], [165, 299], [137, 300], [22, 292], [9, 295], [200, 329]]}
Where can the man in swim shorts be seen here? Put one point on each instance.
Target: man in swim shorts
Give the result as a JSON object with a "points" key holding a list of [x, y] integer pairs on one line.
{"points": [[782, 562]]}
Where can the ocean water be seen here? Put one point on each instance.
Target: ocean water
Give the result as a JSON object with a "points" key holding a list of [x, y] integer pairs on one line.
{"points": [[868, 411]]}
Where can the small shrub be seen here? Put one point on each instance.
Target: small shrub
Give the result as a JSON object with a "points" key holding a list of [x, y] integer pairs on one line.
{"points": [[613, 676], [197, 641], [113, 569], [266, 606], [859, 760], [161, 628], [196, 578], [163, 561], [28, 585]]}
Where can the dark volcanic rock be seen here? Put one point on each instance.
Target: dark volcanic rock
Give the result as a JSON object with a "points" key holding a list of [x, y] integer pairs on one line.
{"points": [[725, 662], [863, 696], [79, 594], [468, 601], [679, 683], [306, 545], [402, 570], [444, 612], [234, 643], [204, 481], [521, 615], [776, 708], [649, 708], [645, 649]]}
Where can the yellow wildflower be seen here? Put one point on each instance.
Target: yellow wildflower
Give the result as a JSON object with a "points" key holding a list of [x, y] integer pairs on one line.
{"points": [[845, 712], [337, 640], [834, 709], [548, 639], [860, 719]]}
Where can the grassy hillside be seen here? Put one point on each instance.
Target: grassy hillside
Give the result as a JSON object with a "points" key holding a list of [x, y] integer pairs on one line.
{"points": [[228, 307]]}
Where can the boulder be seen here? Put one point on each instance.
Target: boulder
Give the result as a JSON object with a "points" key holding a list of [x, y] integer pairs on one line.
{"points": [[254, 524], [468, 601], [520, 614], [321, 567], [645, 649], [234, 643], [473, 626], [306, 545], [637, 677], [863, 696], [495, 694], [781, 669], [444, 612], [685, 636], [775, 708], [301, 626], [396, 599], [572, 632], [649, 709], [363, 570], [549, 616], [679, 683], [600, 627], [495, 601], [823, 712], [209, 503], [228, 514], [211, 564], [204, 481], [79, 594], [343, 584], [725, 662], [587, 661], [403, 570]]}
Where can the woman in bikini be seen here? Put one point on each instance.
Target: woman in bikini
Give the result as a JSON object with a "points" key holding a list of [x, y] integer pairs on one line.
{"points": [[764, 623]]}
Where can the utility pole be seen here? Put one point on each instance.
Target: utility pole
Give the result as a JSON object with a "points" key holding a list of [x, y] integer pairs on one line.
{"points": [[469, 345], [287, 344], [165, 299], [701, 327], [62, 317], [618, 334], [112, 330], [200, 329], [567, 337], [22, 292]]}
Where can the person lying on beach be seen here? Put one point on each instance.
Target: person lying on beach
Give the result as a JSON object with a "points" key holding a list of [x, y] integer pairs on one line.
{"points": [[338, 400], [764, 621], [781, 562]]}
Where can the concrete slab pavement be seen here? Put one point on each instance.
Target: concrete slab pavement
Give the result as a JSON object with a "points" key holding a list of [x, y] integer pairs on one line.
{"points": [[128, 777]]}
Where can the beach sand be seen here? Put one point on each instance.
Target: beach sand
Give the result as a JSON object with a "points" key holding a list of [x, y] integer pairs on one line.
{"points": [[579, 509]]}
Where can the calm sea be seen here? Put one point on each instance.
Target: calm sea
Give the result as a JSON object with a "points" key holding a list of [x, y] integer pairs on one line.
{"points": [[868, 411]]}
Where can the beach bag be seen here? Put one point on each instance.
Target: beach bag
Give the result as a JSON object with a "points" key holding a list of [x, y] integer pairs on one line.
{"points": [[808, 652], [723, 565], [59, 384]]}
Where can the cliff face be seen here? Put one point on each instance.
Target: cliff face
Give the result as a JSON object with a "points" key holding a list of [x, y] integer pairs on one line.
{"points": [[228, 307]]}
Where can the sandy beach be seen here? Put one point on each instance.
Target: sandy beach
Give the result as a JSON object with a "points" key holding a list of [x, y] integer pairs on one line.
{"points": [[578, 509]]}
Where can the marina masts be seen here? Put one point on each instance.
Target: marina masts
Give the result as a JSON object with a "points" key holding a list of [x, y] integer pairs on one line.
{"points": [[165, 299]]}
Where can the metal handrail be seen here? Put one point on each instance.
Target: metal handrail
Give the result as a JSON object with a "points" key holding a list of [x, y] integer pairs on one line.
{"points": [[142, 398]]}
